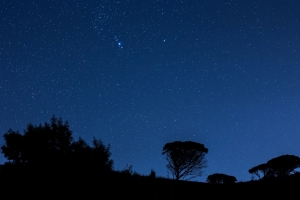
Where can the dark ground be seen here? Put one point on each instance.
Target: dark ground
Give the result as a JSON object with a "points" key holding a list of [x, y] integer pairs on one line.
{"points": [[87, 184]]}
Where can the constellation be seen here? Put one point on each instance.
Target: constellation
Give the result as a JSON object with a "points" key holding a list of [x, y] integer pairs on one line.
{"points": [[108, 20], [119, 43]]}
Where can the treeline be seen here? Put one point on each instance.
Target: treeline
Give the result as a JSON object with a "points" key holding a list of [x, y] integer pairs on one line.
{"points": [[51, 146]]}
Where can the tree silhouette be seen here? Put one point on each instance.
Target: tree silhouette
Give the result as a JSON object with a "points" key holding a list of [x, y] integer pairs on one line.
{"points": [[260, 169], [185, 159], [79, 155], [219, 178], [100, 155], [284, 165], [53, 145], [85, 157], [43, 144], [13, 148], [280, 166]]}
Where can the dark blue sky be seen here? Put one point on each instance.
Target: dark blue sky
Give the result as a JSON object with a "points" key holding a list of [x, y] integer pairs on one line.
{"points": [[138, 74]]}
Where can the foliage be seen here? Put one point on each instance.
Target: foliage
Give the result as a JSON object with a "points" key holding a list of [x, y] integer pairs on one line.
{"points": [[185, 159], [284, 165], [53, 145], [101, 155], [280, 166], [96, 156], [43, 144], [128, 170], [13, 147], [219, 178], [260, 169]]}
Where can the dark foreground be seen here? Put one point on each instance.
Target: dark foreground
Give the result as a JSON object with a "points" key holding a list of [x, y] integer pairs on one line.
{"points": [[88, 184]]}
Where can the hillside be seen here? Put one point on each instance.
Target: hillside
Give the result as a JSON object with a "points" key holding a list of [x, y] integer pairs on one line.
{"points": [[88, 184]]}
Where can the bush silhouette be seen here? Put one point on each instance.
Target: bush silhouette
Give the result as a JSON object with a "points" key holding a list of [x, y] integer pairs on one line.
{"points": [[152, 174], [219, 178]]}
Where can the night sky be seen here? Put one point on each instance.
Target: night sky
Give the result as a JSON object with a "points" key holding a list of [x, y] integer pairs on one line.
{"points": [[140, 73]]}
